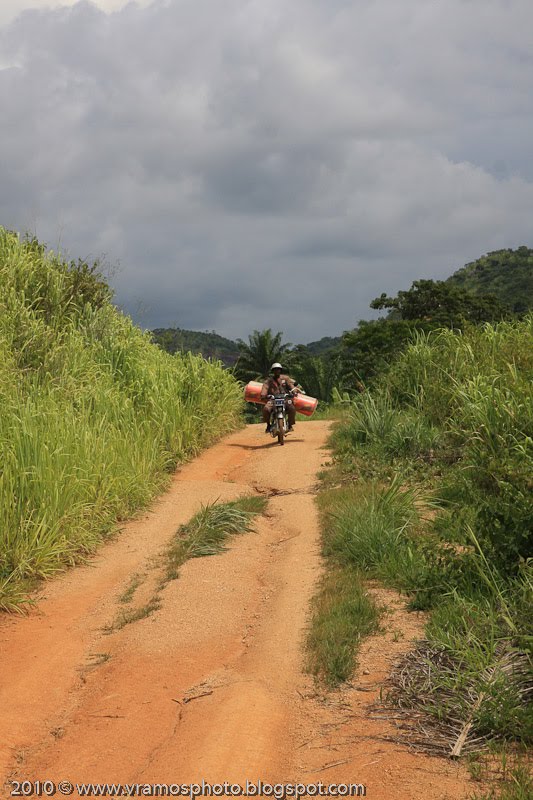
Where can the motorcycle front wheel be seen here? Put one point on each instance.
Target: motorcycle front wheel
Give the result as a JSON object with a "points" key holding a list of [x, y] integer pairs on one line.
{"points": [[281, 430]]}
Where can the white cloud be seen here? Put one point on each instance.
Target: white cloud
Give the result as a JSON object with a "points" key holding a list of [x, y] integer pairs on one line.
{"points": [[220, 150], [10, 9]]}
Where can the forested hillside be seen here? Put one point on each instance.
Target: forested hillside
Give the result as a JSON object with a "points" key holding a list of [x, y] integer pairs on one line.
{"points": [[508, 274], [325, 345], [211, 345], [495, 287]]}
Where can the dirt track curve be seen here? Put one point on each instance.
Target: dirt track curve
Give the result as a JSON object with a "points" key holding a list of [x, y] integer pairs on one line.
{"points": [[212, 685]]}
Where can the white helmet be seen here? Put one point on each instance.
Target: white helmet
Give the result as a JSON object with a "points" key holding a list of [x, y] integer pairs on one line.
{"points": [[277, 365]]}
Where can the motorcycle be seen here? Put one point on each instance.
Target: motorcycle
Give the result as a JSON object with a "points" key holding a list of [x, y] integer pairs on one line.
{"points": [[279, 421]]}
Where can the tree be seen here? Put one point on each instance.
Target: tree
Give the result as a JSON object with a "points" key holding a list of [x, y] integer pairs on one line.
{"points": [[256, 357], [428, 304], [369, 348], [442, 304], [318, 374]]}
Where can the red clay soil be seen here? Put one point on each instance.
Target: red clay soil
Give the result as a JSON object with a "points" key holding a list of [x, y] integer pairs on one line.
{"points": [[212, 685]]}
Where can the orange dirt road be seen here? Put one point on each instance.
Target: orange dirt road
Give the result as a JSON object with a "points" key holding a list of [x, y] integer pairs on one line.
{"points": [[212, 685]]}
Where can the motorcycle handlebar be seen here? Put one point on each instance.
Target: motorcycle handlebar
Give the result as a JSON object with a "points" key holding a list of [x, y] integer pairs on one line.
{"points": [[292, 393]]}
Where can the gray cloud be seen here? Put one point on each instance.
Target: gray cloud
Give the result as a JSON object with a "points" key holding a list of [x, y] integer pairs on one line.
{"points": [[252, 164]]}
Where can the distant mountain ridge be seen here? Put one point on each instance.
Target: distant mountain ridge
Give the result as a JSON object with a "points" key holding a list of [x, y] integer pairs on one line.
{"points": [[211, 345], [324, 345]]}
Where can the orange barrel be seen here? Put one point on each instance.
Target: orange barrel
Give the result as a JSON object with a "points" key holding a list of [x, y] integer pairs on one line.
{"points": [[302, 402], [305, 404], [252, 392]]}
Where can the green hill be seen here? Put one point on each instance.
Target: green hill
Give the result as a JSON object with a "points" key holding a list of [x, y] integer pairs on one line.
{"points": [[508, 274], [324, 345], [206, 343]]}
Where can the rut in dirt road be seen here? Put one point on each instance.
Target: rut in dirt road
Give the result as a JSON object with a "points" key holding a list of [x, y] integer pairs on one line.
{"points": [[212, 685]]}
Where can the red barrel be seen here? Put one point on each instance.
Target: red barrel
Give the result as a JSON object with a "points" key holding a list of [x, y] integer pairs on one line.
{"points": [[302, 402], [305, 404], [252, 392]]}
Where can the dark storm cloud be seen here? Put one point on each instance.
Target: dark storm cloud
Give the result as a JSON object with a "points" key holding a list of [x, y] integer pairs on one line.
{"points": [[254, 164]]}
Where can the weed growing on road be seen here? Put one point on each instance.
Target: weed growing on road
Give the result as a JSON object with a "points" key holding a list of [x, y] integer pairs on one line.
{"points": [[129, 591], [206, 533], [129, 615]]}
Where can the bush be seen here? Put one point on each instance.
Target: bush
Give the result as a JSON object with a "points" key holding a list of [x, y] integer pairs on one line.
{"points": [[385, 430], [370, 528]]}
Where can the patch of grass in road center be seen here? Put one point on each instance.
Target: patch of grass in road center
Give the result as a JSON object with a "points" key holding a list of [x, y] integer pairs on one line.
{"points": [[205, 534]]}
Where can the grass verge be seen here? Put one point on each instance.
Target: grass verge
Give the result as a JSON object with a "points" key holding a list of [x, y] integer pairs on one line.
{"points": [[474, 671], [452, 419], [343, 612], [94, 416]]}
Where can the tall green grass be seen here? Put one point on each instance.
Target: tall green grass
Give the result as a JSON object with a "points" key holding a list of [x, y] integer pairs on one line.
{"points": [[451, 419], [480, 617], [464, 399], [93, 416]]}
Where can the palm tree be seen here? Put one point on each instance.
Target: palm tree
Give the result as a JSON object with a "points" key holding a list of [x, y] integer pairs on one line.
{"points": [[257, 356]]}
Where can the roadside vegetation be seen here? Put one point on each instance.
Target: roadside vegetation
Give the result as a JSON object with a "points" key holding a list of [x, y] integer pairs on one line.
{"points": [[343, 612], [431, 493], [508, 781], [93, 417]]}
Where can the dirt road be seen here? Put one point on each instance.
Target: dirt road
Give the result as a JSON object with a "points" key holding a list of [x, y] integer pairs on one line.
{"points": [[212, 685]]}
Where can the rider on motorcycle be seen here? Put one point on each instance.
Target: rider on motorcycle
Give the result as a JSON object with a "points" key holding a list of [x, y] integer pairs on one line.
{"points": [[278, 384]]}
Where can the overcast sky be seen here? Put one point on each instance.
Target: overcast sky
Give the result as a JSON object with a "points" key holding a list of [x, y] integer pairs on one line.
{"points": [[267, 163]]}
